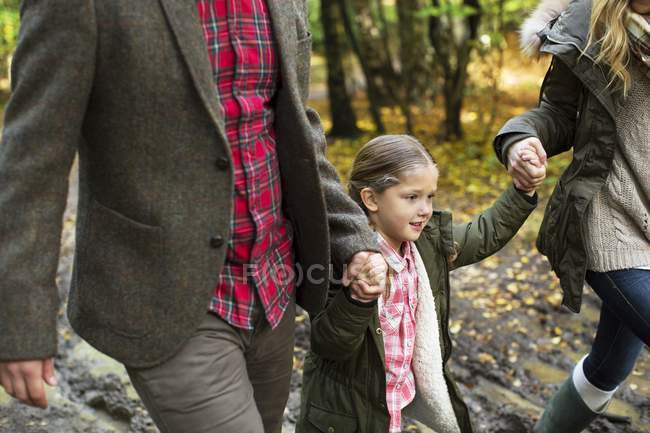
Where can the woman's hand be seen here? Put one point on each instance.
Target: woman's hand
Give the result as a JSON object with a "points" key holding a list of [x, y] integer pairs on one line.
{"points": [[526, 164]]}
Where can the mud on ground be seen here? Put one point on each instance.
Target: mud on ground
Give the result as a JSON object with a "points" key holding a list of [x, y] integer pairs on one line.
{"points": [[513, 345]]}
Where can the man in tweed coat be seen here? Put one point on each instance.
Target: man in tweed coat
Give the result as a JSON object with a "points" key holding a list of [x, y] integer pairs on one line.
{"points": [[202, 185]]}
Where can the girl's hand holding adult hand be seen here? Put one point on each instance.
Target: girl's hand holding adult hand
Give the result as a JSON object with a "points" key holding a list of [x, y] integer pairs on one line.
{"points": [[538, 170], [526, 164], [366, 276]]}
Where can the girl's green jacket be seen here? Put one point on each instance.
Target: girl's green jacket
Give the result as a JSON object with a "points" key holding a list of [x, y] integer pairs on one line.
{"points": [[344, 376]]}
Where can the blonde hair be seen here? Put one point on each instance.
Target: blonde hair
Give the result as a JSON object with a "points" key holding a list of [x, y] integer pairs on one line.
{"points": [[382, 161], [608, 28]]}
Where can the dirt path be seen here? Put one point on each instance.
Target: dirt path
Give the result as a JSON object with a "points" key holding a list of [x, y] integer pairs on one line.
{"points": [[513, 344]]}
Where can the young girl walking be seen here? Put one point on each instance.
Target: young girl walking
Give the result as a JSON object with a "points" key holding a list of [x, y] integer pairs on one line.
{"points": [[373, 359]]}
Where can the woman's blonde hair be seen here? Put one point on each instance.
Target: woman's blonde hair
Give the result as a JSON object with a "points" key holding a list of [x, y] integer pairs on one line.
{"points": [[608, 28]]}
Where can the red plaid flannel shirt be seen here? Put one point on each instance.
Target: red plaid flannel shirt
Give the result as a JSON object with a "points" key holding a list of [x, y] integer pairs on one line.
{"points": [[397, 321], [259, 259]]}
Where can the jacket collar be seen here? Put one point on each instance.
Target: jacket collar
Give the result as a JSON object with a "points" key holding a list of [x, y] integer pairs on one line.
{"points": [[184, 21], [566, 38], [571, 29], [183, 18], [439, 231]]}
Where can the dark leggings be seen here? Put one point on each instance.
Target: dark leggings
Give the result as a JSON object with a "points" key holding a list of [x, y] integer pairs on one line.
{"points": [[624, 326]]}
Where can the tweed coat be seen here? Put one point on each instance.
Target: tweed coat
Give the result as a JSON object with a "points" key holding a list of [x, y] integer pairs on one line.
{"points": [[128, 86]]}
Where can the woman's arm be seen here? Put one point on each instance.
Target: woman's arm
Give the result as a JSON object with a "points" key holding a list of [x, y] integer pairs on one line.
{"points": [[553, 122]]}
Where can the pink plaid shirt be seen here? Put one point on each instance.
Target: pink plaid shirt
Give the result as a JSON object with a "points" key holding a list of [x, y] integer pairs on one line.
{"points": [[397, 321], [243, 56]]}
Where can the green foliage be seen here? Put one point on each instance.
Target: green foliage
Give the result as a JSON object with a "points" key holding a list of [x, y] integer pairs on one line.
{"points": [[315, 25], [514, 11], [9, 24], [391, 13], [454, 9]]}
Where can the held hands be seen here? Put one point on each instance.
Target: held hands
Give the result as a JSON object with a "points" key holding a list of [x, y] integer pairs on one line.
{"points": [[526, 164], [366, 275], [23, 380]]}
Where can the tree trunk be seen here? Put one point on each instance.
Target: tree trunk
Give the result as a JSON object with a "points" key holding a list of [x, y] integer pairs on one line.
{"points": [[344, 120], [373, 90], [453, 127], [453, 38], [415, 56]]}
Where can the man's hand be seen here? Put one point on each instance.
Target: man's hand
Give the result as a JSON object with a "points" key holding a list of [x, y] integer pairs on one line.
{"points": [[366, 276], [23, 380], [526, 164]]}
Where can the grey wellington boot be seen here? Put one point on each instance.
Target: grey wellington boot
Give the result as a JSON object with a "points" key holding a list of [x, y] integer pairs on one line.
{"points": [[566, 412]]}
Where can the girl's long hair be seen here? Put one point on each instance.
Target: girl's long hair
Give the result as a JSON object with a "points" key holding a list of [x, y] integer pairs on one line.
{"points": [[382, 161], [608, 28]]}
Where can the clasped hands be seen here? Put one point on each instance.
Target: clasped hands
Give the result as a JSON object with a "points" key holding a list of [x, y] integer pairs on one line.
{"points": [[366, 275], [526, 162]]}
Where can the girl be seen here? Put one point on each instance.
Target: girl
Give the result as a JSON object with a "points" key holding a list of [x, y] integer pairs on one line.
{"points": [[369, 360], [596, 227]]}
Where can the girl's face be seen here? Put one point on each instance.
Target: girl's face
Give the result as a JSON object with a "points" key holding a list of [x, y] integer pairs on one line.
{"points": [[640, 6], [400, 213]]}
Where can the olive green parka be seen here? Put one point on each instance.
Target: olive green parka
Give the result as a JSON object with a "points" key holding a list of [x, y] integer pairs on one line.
{"points": [[576, 110], [344, 374]]}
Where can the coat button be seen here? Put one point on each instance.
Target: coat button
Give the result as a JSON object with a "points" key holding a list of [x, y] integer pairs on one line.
{"points": [[378, 331], [222, 163], [216, 241], [330, 430]]}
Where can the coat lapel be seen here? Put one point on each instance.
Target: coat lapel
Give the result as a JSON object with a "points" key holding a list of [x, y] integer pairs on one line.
{"points": [[183, 18], [283, 17]]}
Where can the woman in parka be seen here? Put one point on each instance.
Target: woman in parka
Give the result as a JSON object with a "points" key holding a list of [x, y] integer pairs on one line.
{"points": [[372, 358], [596, 100]]}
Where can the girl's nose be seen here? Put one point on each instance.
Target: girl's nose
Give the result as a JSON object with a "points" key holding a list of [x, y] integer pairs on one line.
{"points": [[425, 209]]}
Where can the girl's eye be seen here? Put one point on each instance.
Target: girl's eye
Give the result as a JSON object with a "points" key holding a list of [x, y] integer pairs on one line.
{"points": [[412, 197]]}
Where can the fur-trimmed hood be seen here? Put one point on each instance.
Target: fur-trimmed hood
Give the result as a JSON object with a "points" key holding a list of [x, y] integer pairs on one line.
{"points": [[546, 11]]}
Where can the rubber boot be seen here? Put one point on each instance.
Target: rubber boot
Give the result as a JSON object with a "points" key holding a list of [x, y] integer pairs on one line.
{"points": [[566, 412]]}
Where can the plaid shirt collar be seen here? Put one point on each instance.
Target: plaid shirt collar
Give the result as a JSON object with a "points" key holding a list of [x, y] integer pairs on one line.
{"points": [[396, 261], [638, 28]]}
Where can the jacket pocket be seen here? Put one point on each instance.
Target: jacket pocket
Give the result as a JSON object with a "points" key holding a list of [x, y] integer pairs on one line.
{"points": [[120, 274], [548, 228], [327, 421], [391, 317]]}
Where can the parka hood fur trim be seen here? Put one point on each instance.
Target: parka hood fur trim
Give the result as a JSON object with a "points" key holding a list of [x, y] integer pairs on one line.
{"points": [[545, 12]]}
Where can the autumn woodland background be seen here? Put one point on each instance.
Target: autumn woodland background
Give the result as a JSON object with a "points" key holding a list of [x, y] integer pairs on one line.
{"points": [[450, 73]]}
